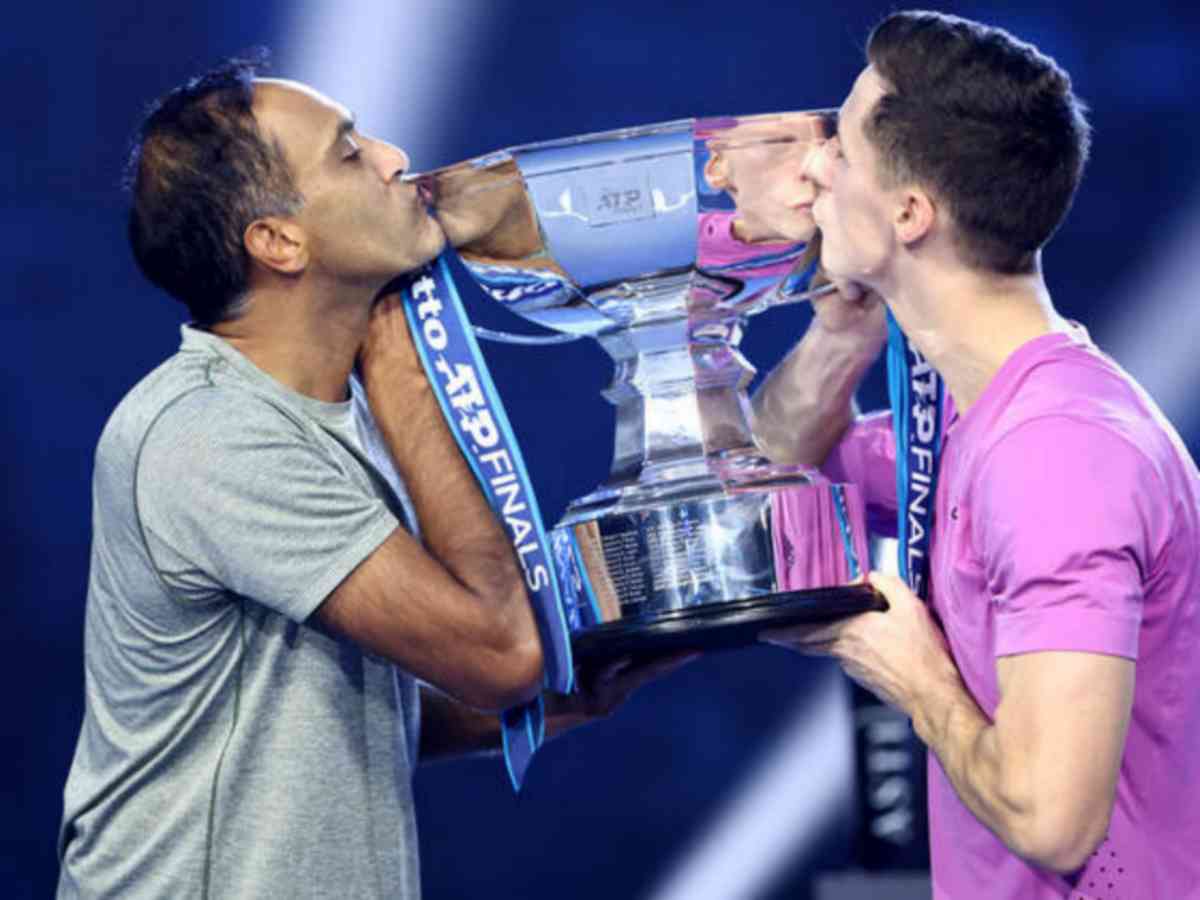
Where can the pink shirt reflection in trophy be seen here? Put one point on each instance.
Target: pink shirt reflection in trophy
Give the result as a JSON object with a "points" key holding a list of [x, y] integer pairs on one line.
{"points": [[805, 523], [758, 162]]}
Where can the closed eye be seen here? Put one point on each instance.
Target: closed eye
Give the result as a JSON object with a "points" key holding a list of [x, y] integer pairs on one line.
{"points": [[352, 148]]}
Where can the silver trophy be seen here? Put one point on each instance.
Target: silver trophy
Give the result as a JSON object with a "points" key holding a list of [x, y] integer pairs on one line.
{"points": [[660, 242]]}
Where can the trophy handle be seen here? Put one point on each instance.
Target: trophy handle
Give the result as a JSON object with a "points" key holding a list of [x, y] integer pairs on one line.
{"points": [[781, 299], [505, 337]]}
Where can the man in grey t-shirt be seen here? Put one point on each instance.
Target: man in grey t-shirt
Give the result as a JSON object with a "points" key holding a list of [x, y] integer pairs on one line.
{"points": [[259, 610]]}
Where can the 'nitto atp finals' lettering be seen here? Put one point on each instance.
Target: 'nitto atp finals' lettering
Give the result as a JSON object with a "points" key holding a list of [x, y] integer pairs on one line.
{"points": [[460, 383]]}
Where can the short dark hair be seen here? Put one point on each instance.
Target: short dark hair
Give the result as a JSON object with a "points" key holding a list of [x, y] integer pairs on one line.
{"points": [[985, 121], [200, 172]]}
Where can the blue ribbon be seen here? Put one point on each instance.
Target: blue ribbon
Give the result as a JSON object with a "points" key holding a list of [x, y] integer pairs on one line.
{"points": [[459, 377], [916, 392], [843, 517], [509, 285]]}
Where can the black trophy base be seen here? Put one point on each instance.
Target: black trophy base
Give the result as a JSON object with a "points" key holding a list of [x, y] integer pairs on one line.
{"points": [[719, 626]]}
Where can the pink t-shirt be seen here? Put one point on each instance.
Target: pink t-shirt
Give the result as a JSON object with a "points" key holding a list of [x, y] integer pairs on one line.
{"points": [[1067, 518], [718, 250]]}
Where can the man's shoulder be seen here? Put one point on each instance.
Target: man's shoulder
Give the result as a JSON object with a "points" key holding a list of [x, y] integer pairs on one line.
{"points": [[1076, 411], [189, 391], [175, 377], [1078, 386], [1068, 367]]}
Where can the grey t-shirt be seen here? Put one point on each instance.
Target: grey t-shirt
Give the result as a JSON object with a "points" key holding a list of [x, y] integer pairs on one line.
{"points": [[229, 747]]}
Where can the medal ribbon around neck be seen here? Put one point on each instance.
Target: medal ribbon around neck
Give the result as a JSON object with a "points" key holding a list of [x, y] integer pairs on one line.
{"points": [[917, 396], [463, 386]]}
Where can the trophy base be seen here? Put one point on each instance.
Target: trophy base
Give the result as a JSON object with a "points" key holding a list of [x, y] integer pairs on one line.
{"points": [[719, 626]]}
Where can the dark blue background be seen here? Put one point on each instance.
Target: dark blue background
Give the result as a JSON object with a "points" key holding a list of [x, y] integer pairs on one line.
{"points": [[608, 812]]}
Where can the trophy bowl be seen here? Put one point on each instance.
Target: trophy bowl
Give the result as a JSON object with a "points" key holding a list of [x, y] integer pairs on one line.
{"points": [[660, 242]]}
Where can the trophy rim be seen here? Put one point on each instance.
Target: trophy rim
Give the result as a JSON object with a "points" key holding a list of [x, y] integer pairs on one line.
{"points": [[669, 126]]}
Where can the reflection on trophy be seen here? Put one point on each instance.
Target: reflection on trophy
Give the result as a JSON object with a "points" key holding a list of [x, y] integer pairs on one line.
{"points": [[660, 242]]}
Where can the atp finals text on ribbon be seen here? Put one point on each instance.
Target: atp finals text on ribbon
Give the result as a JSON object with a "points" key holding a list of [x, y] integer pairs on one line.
{"points": [[922, 455], [461, 387]]}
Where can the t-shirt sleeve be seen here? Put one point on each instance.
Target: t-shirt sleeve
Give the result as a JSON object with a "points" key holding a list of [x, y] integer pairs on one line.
{"points": [[866, 457], [1063, 521], [234, 495]]}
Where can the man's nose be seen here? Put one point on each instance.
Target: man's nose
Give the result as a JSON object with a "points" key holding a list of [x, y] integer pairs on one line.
{"points": [[816, 164], [391, 161]]}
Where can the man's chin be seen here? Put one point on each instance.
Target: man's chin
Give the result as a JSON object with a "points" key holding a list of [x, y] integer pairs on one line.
{"points": [[432, 246], [427, 255], [441, 241]]}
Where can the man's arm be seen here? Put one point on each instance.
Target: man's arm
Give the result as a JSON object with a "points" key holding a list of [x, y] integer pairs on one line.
{"points": [[454, 612], [805, 404], [1042, 776], [450, 729]]}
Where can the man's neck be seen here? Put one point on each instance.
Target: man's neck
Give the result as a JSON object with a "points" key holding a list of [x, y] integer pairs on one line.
{"points": [[967, 324], [303, 340]]}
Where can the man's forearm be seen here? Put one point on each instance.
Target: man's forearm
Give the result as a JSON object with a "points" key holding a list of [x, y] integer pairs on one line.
{"points": [[457, 526], [951, 724], [805, 404], [452, 729], [992, 776]]}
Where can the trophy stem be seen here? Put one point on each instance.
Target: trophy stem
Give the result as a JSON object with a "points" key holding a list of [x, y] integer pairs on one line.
{"points": [[679, 386]]}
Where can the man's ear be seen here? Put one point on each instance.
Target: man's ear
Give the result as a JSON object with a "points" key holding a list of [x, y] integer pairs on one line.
{"points": [[915, 215], [716, 171], [279, 244]]}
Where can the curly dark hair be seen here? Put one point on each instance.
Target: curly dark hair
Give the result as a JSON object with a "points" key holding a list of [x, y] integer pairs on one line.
{"points": [[987, 122], [199, 173]]}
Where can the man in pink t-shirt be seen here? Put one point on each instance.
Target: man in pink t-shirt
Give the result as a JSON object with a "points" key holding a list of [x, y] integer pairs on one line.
{"points": [[1053, 673]]}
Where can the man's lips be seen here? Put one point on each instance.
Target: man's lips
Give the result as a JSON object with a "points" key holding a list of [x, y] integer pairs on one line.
{"points": [[427, 190]]}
